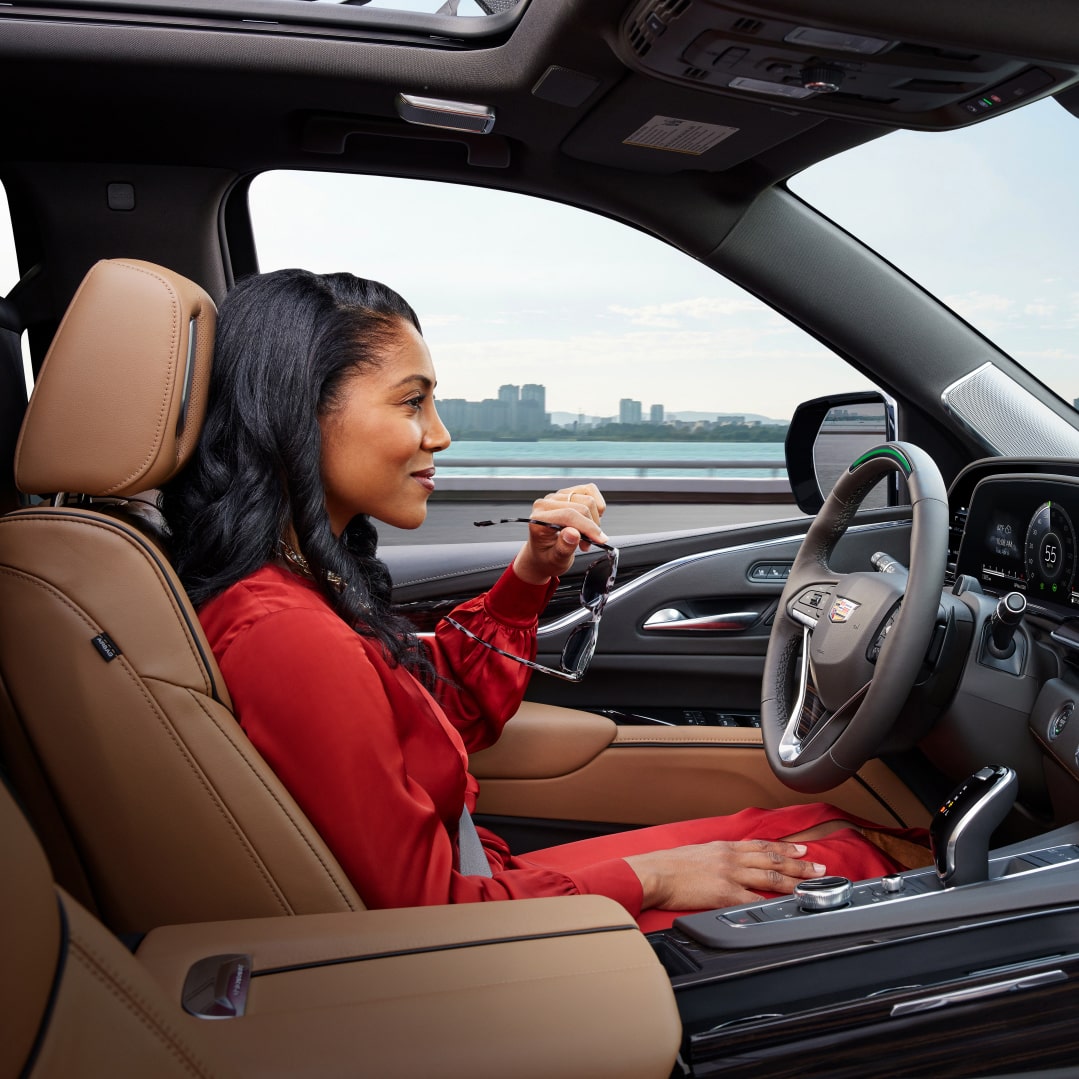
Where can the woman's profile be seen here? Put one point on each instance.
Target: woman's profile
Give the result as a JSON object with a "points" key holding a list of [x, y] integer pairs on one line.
{"points": [[321, 420]]}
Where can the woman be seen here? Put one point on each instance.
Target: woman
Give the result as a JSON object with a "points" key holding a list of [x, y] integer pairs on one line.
{"points": [[322, 417]]}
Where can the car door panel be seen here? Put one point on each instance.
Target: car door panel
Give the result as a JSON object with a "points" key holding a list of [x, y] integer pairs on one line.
{"points": [[702, 575], [648, 765], [637, 667], [561, 764]]}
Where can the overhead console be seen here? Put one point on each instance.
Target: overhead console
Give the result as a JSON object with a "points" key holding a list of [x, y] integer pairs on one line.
{"points": [[913, 69]]}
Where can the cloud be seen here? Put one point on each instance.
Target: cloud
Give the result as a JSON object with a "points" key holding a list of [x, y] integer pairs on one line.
{"points": [[971, 304], [671, 315]]}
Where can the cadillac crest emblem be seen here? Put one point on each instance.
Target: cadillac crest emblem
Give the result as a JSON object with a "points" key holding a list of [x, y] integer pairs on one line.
{"points": [[842, 609]]}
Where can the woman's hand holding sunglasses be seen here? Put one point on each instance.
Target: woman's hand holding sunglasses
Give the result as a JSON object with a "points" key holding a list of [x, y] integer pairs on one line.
{"points": [[558, 524], [572, 513]]}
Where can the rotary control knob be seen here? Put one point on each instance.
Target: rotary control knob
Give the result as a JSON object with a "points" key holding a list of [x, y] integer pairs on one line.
{"points": [[1004, 622], [822, 78], [823, 893], [892, 884]]}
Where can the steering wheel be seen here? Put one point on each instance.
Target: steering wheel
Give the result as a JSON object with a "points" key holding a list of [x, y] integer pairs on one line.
{"points": [[862, 636]]}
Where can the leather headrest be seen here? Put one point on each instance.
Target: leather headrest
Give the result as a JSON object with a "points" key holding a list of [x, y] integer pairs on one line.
{"points": [[119, 403]]}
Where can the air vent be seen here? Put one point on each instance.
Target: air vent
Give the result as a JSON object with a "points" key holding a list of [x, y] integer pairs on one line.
{"points": [[694, 73], [937, 86], [650, 21], [863, 99], [748, 26], [934, 53], [955, 536]]}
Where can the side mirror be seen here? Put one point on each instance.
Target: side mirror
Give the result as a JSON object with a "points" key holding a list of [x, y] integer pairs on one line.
{"points": [[826, 434]]}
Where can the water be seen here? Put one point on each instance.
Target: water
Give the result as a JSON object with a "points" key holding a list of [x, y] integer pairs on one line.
{"points": [[707, 457]]}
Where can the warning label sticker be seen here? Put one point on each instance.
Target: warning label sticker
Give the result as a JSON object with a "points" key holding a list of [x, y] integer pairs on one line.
{"points": [[681, 136]]}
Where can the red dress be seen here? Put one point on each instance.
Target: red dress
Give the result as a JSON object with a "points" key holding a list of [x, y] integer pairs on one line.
{"points": [[380, 766]]}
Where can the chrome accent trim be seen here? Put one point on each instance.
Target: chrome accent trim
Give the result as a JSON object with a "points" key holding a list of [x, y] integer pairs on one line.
{"points": [[977, 992], [734, 622], [790, 748], [189, 376], [1005, 784], [571, 619], [438, 112]]}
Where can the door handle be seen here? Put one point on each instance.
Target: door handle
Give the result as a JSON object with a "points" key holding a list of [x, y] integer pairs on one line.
{"points": [[670, 618]]}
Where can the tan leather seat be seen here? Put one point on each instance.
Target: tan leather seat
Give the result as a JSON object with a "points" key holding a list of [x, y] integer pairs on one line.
{"points": [[448, 991], [114, 720], [75, 1002]]}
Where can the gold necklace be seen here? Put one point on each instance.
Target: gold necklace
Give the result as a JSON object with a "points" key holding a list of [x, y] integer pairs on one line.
{"points": [[300, 563]]}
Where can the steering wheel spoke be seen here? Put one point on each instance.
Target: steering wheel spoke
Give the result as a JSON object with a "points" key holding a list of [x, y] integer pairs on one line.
{"points": [[809, 721]]}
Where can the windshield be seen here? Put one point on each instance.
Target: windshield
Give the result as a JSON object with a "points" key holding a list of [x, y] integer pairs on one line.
{"points": [[985, 218]]}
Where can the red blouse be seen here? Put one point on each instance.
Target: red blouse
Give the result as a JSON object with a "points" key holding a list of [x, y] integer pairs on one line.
{"points": [[378, 764]]}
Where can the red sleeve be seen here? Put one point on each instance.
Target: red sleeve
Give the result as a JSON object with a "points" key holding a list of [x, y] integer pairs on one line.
{"points": [[326, 713], [481, 690]]}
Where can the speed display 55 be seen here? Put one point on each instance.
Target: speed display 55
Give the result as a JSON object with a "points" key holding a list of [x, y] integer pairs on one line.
{"points": [[1020, 535]]}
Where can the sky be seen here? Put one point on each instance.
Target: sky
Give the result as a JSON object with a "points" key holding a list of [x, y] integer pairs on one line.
{"points": [[516, 289]]}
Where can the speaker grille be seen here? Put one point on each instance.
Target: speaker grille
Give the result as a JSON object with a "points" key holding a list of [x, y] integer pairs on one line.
{"points": [[1007, 418]]}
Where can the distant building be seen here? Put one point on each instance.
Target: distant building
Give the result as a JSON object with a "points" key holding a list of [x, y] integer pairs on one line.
{"points": [[532, 416], [531, 391], [655, 414], [629, 411]]}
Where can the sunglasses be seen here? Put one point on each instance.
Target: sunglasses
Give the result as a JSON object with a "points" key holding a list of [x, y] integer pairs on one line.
{"points": [[595, 588]]}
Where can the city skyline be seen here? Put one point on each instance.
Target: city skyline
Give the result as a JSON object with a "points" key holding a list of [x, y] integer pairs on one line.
{"points": [[522, 409]]}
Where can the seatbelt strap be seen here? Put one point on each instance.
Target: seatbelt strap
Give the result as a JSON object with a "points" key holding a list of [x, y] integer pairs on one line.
{"points": [[470, 852]]}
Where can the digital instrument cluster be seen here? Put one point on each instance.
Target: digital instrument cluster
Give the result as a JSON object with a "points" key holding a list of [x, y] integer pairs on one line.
{"points": [[1020, 536]]}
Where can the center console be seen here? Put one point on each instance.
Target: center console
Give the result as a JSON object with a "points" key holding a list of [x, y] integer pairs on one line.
{"points": [[954, 978]]}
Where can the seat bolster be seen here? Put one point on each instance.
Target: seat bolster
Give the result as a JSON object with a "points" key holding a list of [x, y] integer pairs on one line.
{"points": [[147, 767], [110, 1018], [30, 934]]}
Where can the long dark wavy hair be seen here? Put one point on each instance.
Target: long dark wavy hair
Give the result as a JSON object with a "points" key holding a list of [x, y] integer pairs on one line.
{"points": [[286, 342]]}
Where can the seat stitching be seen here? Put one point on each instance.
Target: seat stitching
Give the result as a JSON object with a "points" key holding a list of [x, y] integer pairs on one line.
{"points": [[284, 809], [113, 527], [169, 730], [138, 1006]]}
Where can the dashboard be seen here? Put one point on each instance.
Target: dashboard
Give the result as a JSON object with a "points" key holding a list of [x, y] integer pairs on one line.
{"points": [[1018, 532]]}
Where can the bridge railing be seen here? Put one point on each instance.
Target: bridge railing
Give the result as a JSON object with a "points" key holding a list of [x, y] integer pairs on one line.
{"points": [[643, 480]]}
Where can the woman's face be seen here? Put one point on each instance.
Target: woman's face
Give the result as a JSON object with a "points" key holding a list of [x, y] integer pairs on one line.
{"points": [[378, 444]]}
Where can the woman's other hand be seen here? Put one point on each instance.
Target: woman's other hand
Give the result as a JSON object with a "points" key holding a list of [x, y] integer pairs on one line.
{"points": [[705, 876], [549, 553]]}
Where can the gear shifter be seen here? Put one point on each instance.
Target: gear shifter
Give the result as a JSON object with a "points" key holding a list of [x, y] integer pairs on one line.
{"points": [[960, 831]]}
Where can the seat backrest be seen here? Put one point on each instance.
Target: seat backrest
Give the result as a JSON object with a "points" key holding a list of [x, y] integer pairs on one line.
{"points": [[114, 719]]}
